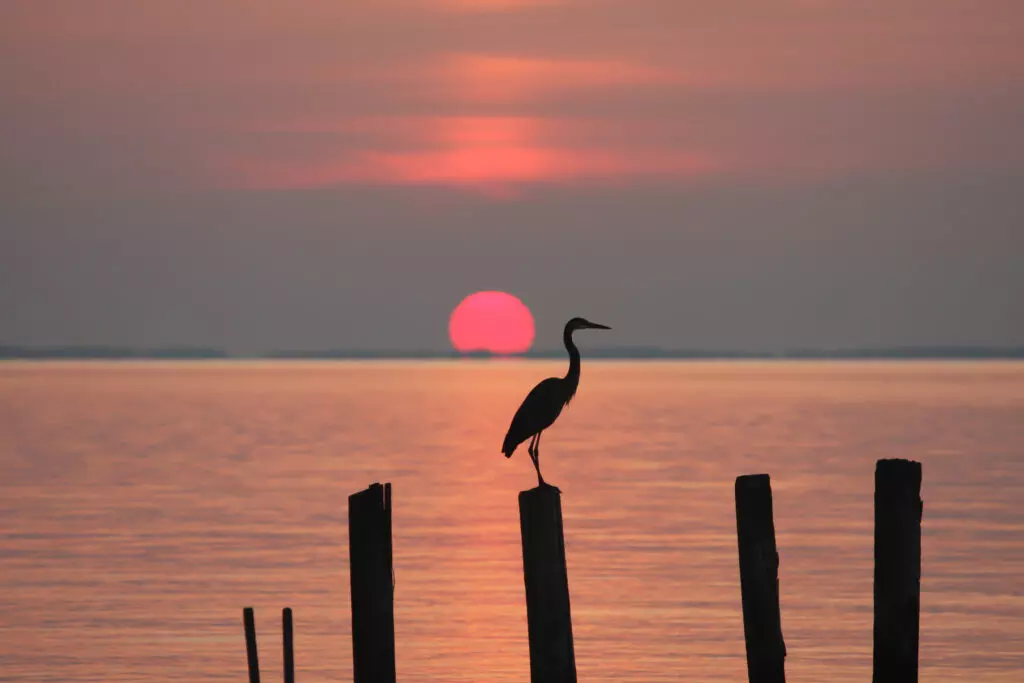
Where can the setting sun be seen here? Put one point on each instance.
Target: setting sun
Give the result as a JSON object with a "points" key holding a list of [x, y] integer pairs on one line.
{"points": [[494, 322]]}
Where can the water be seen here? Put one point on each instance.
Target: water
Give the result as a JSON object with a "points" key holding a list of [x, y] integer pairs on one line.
{"points": [[142, 505]]}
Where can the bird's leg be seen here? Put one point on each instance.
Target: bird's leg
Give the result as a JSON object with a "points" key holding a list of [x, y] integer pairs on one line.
{"points": [[532, 450], [536, 460]]}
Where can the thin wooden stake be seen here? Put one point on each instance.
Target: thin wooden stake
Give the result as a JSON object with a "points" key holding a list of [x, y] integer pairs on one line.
{"points": [[898, 510], [552, 659], [289, 651], [250, 645], [373, 598], [759, 580]]}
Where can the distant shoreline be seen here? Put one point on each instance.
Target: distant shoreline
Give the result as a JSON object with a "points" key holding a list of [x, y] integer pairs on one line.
{"points": [[13, 352]]}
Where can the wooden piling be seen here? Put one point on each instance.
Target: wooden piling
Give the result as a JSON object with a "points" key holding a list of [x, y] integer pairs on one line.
{"points": [[759, 580], [373, 603], [249, 621], [898, 510], [289, 647], [552, 659]]}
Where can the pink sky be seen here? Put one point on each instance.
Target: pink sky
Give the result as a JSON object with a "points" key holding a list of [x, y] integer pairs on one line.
{"points": [[478, 93], [695, 173]]}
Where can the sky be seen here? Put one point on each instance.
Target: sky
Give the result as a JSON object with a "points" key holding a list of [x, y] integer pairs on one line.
{"points": [[303, 174]]}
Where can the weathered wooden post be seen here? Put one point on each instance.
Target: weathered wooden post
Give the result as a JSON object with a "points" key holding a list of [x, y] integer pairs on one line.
{"points": [[552, 659], [289, 648], [373, 598], [759, 580], [249, 620], [898, 510]]}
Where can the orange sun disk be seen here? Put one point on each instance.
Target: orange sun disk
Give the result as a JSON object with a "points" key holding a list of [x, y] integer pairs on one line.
{"points": [[494, 322]]}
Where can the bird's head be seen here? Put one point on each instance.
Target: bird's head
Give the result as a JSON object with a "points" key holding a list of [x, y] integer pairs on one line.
{"points": [[583, 324]]}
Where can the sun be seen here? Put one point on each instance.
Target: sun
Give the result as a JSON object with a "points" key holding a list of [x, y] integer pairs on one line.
{"points": [[492, 322]]}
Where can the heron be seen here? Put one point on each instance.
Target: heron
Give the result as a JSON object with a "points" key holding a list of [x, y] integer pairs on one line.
{"points": [[544, 403]]}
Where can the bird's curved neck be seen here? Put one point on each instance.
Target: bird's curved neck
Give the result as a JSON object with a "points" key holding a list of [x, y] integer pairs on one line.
{"points": [[573, 376]]}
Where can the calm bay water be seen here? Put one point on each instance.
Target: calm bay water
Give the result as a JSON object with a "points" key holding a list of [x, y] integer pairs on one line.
{"points": [[142, 505]]}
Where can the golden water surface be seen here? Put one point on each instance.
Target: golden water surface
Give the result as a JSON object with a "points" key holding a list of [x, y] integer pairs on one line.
{"points": [[142, 505]]}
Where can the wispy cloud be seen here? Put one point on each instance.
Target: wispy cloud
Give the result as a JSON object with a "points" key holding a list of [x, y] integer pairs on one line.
{"points": [[481, 151], [489, 78], [381, 89], [478, 153]]}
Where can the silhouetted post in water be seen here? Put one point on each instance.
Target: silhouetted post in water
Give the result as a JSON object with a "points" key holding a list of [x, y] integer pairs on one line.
{"points": [[250, 645], [373, 598], [898, 510], [289, 649], [759, 580], [547, 586]]}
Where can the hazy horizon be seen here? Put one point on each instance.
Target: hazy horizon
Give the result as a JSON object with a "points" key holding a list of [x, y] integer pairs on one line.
{"points": [[625, 353]]}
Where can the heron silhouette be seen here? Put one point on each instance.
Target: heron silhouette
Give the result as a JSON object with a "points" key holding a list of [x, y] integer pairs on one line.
{"points": [[544, 403]]}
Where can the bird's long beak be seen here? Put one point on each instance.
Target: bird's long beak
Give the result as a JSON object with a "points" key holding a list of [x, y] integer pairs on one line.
{"points": [[595, 326]]}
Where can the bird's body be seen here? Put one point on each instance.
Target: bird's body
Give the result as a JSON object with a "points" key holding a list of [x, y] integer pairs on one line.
{"points": [[539, 411], [544, 403]]}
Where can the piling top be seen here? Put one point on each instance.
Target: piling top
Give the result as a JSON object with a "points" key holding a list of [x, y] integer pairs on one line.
{"points": [[753, 481], [539, 493], [898, 467], [374, 490]]}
